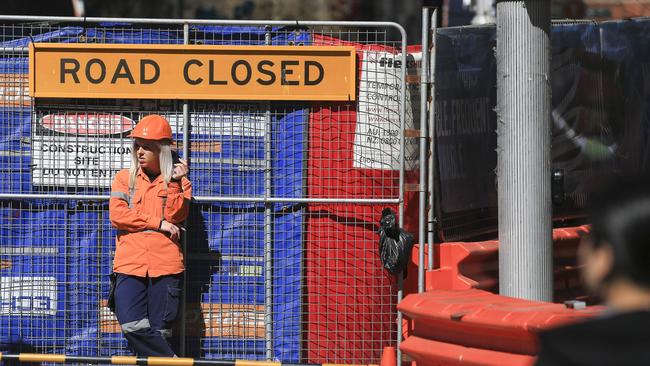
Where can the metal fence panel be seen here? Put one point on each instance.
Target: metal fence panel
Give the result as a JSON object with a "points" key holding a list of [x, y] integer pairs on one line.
{"points": [[281, 243]]}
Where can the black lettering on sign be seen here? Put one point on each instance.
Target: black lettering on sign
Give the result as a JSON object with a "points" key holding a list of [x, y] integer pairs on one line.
{"points": [[285, 72], [102, 71], [143, 70], [321, 73], [122, 71], [233, 72], [267, 72], [72, 71], [186, 73], [211, 74]]}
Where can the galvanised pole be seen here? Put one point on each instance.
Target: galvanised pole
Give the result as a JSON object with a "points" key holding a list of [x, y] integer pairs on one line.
{"points": [[424, 86], [402, 119], [432, 137], [268, 221], [186, 151], [523, 149]]}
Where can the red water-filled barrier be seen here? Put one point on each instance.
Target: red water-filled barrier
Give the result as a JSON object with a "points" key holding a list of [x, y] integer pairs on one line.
{"points": [[481, 319], [429, 352], [457, 322], [465, 265]]}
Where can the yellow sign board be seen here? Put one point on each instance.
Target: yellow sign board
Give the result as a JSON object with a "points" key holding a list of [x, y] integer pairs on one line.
{"points": [[68, 70]]}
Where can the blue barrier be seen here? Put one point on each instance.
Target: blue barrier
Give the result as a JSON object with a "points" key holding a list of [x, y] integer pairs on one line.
{"points": [[231, 349], [33, 304], [15, 160], [84, 240], [88, 230]]}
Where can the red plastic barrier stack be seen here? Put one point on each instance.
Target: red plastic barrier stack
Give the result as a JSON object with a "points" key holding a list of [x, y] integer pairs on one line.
{"points": [[465, 265], [476, 319], [429, 352], [457, 323]]}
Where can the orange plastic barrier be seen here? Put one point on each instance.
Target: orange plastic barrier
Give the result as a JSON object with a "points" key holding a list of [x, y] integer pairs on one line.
{"points": [[566, 273], [426, 352], [465, 265], [456, 322], [480, 319]]}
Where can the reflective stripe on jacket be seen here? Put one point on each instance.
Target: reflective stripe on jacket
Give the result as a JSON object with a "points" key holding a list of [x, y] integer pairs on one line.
{"points": [[141, 249]]}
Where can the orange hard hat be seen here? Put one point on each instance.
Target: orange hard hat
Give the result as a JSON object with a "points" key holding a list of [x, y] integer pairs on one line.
{"points": [[152, 127]]}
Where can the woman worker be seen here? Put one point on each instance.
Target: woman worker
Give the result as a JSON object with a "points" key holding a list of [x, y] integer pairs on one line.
{"points": [[148, 203]]}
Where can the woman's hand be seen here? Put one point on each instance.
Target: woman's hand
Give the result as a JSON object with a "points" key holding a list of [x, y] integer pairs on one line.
{"points": [[180, 170], [171, 229]]}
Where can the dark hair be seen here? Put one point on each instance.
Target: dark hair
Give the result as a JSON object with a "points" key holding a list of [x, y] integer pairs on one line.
{"points": [[620, 218]]}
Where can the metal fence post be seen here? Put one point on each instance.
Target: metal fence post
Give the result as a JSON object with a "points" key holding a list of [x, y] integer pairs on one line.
{"points": [[424, 77], [268, 222], [400, 282], [432, 136], [186, 151]]}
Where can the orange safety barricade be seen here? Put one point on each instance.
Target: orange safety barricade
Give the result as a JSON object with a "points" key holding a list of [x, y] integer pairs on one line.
{"points": [[465, 265], [426, 352], [461, 320], [480, 319]]}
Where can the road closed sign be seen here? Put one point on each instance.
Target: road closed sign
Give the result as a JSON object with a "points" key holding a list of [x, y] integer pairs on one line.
{"points": [[324, 73]]}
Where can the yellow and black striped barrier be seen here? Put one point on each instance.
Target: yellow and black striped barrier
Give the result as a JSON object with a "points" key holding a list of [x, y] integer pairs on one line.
{"points": [[151, 361]]}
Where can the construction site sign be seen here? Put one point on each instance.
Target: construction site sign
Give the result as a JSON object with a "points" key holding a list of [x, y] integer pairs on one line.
{"points": [[64, 70], [79, 149]]}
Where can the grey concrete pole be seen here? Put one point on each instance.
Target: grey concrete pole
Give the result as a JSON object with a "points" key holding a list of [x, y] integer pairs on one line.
{"points": [[523, 149]]}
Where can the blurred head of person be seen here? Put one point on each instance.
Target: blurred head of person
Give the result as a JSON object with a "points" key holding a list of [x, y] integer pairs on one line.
{"points": [[616, 254]]}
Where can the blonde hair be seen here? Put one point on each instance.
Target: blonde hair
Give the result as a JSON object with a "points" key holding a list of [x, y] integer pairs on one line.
{"points": [[164, 157]]}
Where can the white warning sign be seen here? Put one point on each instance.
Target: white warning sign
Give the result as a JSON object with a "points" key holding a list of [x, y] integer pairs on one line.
{"points": [[74, 150], [233, 119], [378, 130], [28, 296]]}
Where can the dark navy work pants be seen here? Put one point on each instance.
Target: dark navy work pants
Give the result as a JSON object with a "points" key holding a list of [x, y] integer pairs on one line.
{"points": [[146, 308]]}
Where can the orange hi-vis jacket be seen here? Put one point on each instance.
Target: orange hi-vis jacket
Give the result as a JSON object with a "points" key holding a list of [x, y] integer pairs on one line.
{"points": [[141, 249]]}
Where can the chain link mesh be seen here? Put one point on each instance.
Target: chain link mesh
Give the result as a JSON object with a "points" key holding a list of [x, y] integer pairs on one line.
{"points": [[297, 280]]}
